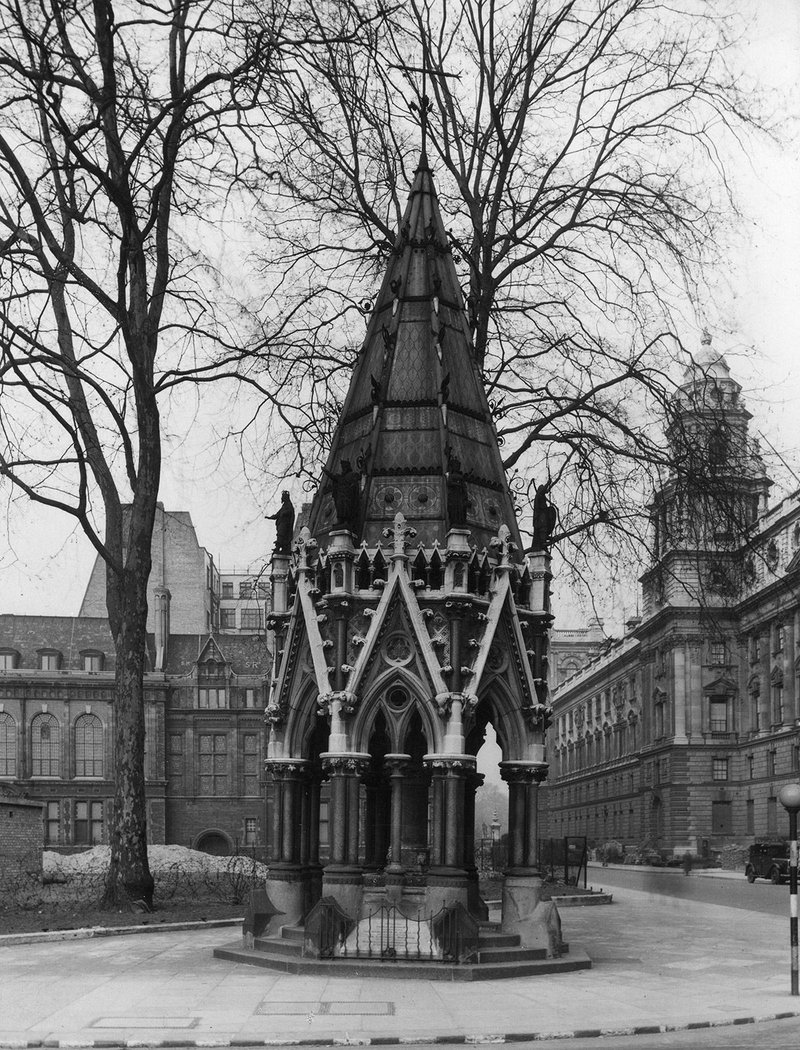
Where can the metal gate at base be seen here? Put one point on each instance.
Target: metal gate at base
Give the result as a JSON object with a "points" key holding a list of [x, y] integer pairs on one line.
{"points": [[450, 935]]}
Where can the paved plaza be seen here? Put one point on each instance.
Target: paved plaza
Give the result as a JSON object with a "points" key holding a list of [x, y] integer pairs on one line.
{"points": [[658, 963]]}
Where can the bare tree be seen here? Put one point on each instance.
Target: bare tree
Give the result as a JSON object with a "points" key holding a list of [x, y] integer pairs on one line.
{"points": [[577, 147], [125, 147]]}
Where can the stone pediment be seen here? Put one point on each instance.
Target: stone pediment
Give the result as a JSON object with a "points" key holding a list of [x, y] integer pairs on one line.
{"points": [[395, 647], [722, 684], [397, 635]]}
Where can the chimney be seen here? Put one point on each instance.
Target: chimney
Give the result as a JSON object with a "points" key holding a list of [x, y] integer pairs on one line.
{"points": [[161, 599]]}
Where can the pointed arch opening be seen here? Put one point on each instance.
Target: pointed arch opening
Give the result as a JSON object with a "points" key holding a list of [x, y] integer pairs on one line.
{"points": [[415, 794], [491, 798]]}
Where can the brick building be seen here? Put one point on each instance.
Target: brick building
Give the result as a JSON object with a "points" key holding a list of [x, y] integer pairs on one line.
{"points": [[680, 735], [205, 693], [20, 831]]}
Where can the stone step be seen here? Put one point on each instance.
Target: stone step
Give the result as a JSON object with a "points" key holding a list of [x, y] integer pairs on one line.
{"points": [[432, 971], [279, 946], [293, 933], [504, 955], [495, 939]]}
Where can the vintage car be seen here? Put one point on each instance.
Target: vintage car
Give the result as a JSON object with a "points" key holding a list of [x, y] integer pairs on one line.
{"points": [[768, 860]]}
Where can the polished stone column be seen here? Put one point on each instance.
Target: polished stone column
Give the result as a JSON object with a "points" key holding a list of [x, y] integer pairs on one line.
{"points": [[397, 765], [372, 787], [343, 876], [447, 877], [523, 779], [309, 851], [288, 874], [522, 887], [476, 904]]}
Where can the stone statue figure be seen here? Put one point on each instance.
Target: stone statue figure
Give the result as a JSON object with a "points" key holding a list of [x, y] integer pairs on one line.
{"points": [[545, 517], [346, 489], [456, 493], [284, 523]]}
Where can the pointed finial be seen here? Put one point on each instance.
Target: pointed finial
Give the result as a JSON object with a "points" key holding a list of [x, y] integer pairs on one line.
{"points": [[503, 542], [400, 533]]}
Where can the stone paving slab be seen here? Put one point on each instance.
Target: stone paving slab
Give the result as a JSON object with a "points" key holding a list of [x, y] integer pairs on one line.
{"points": [[659, 964]]}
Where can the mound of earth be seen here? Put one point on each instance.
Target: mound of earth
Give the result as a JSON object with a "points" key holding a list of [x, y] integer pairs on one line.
{"points": [[93, 862]]}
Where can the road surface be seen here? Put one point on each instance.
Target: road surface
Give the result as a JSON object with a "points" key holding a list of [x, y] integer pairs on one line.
{"points": [[760, 896]]}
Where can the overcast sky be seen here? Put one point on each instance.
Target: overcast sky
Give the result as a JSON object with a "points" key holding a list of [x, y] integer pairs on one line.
{"points": [[45, 562]]}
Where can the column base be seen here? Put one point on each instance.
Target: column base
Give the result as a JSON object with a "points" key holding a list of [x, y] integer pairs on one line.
{"points": [[536, 922], [445, 888], [287, 888], [347, 887], [478, 907], [313, 877]]}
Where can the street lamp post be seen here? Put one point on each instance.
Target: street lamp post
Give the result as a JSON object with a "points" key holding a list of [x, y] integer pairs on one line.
{"points": [[790, 800]]}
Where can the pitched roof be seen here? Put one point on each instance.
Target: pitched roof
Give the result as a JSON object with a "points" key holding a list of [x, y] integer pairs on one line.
{"points": [[247, 654], [417, 394], [69, 635]]}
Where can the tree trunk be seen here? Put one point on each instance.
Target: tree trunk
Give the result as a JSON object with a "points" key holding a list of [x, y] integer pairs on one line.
{"points": [[130, 534], [129, 875]]}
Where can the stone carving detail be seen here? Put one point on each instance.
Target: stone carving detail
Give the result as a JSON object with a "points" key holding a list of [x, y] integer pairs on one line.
{"points": [[533, 774], [496, 658], [439, 630], [444, 703], [401, 532], [348, 701], [345, 764], [397, 649], [503, 544]]}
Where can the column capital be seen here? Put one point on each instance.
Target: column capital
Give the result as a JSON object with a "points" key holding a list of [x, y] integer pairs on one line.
{"points": [[347, 701], [444, 702], [523, 772], [396, 763], [459, 764], [287, 768], [354, 763]]}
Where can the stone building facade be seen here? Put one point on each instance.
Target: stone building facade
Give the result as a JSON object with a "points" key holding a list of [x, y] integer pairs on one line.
{"points": [[680, 736], [205, 694], [571, 649]]}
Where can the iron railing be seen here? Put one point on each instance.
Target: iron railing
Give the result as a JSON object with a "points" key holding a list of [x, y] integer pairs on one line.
{"points": [[387, 934]]}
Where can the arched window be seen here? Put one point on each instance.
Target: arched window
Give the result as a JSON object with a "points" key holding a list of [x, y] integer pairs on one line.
{"points": [[88, 746], [718, 448], [8, 745], [45, 746]]}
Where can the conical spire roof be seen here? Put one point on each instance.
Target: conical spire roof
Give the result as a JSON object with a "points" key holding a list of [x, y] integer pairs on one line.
{"points": [[416, 403]]}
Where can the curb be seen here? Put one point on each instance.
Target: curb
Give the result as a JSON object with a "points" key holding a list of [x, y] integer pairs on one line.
{"points": [[584, 901], [87, 932], [448, 1040]]}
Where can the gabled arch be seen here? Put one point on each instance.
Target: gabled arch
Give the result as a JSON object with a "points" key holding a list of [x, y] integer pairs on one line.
{"points": [[373, 702], [302, 715], [507, 719]]}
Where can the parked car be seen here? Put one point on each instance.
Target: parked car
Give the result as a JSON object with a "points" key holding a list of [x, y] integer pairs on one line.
{"points": [[768, 860]]}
